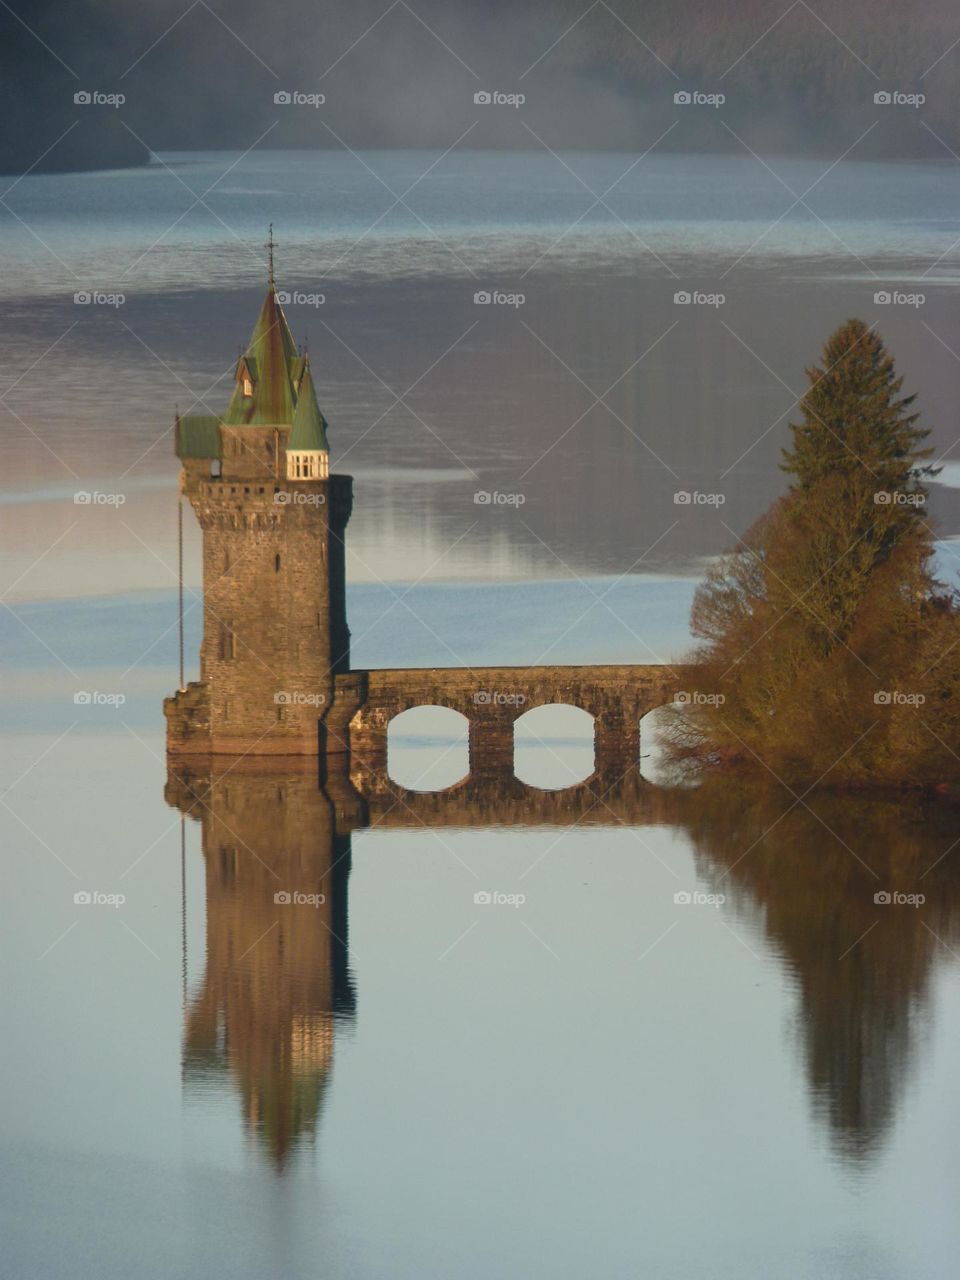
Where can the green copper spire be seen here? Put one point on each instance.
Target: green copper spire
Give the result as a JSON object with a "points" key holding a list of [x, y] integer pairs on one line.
{"points": [[309, 425], [264, 394]]}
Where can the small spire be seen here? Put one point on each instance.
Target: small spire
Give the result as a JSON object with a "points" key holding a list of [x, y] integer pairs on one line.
{"points": [[270, 246]]}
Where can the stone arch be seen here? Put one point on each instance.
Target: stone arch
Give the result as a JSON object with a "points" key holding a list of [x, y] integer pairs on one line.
{"points": [[553, 746], [427, 747], [654, 760]]}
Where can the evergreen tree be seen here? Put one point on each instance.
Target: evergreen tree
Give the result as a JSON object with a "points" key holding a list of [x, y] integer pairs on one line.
{"points": [[829, 601], [856, 421]]}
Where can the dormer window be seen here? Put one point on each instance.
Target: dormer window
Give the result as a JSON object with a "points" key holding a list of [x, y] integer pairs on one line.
{"points": [[247, 387]]}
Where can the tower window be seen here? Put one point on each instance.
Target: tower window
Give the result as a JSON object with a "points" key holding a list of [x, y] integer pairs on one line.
{"points": [[227, 643], [276, 563], [313, 464], [280, 711], [247, 387]]}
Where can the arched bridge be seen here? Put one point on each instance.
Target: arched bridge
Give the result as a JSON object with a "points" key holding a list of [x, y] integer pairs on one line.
{"points": [[492, 698]]}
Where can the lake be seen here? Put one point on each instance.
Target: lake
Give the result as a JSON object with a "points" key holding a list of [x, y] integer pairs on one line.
{"points": [[635, 1029]]}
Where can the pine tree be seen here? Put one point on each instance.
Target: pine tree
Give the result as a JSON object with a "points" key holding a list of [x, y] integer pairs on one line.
{"points": [[856, 421], [830, 598]]}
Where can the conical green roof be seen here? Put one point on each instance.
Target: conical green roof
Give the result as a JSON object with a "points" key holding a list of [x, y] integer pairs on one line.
{"points": [[271, 363], [309, 425]]}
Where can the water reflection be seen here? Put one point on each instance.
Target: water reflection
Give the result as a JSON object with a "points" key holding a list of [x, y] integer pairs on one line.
{"points": [[277, 980], [863, 968], [804, 877]]}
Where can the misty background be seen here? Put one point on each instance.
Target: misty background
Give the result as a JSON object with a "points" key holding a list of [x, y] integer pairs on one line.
{"points": [[199, 75]]}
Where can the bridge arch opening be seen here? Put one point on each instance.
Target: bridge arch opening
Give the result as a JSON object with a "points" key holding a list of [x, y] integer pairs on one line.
{"points": [[654, 760], [427, 748], [553, 746]]}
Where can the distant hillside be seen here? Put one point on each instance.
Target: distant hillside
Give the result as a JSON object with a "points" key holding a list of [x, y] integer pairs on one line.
{"points": [[193, 80]]}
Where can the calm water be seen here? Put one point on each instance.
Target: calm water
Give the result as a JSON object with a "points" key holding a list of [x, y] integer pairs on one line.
{"points": [[587, 1074]]}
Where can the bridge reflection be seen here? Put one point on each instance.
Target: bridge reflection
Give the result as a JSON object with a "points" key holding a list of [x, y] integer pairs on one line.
{"points": [[277, 984]]}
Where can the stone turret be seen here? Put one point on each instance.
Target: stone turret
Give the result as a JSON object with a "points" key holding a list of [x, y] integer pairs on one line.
{"points": [[273, 519]]}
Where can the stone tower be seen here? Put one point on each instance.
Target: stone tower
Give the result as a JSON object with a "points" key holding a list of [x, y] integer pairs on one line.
{"points": [[273, 518]]}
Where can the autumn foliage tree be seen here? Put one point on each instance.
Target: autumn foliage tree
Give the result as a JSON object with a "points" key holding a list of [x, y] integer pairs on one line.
{"points": [[832, 651]]}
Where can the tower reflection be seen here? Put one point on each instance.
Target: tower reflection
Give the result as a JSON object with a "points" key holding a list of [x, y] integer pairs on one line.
{"points": [[277, 980], [804, 877]]}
